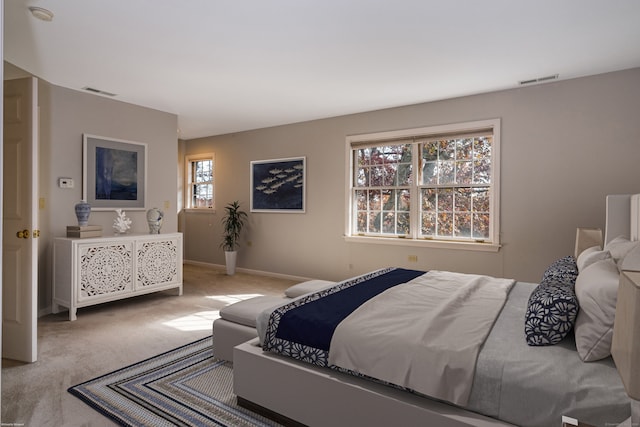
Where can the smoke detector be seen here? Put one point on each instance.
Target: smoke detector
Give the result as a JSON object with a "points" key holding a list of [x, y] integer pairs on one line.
{"points": [[41, 13]]}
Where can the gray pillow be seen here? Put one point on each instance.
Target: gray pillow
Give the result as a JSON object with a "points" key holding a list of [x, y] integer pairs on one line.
{"points": [[632, 260], [597, 293], [591, 255], [307, 287], [245, 312], [619, 248]]}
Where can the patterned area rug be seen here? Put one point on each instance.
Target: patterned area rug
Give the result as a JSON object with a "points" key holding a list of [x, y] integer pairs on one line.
{"points": [[183, 387]]}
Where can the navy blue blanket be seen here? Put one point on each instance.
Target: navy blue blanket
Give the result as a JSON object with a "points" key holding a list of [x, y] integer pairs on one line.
{"points": [[303, 329]]}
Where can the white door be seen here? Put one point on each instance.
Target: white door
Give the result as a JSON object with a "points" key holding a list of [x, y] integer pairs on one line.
{"points": [[19, 221]]}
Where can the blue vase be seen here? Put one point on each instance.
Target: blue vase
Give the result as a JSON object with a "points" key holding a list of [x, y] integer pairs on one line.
{"points": [[83, 210]]}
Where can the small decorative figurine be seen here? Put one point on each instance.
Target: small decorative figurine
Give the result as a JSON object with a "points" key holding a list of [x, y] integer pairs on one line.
{"points": [[121, 224], [154, 219]]}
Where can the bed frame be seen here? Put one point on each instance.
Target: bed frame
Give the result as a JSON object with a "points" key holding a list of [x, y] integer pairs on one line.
{"points": [[316, 396], [295, 393]]}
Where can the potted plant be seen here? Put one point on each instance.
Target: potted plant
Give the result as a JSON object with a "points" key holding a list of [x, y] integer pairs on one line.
{"points": [[232, 222]]}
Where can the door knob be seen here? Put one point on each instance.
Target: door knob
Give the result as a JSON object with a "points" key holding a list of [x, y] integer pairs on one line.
{"points": [[23, 234]]}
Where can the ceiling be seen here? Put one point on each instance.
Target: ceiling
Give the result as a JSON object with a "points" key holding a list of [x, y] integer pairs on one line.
{"points": [[224, 66]]}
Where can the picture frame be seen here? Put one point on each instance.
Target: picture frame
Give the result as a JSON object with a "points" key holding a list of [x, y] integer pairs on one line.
{"points": [[278, 185], [114, 173]]}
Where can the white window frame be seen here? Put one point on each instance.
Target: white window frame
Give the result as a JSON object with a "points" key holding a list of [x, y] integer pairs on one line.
{"points": [[491, 244], [188, 182]]}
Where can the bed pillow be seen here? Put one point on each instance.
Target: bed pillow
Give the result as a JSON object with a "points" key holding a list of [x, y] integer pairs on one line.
{"points": [[591, 255], [597, 292], [307, 287], [619, 248], [551, 313], [632, 260], [563, 270]]}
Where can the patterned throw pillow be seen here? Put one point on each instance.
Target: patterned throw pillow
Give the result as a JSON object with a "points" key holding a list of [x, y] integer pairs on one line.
{"points": [[551, 313], [564, 270], [553, 305]]}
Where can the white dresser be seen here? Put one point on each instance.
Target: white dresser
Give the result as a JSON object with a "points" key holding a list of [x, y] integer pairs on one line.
{"points": [[96, 270]]}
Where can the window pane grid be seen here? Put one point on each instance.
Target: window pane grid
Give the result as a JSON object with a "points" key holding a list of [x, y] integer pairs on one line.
{"points": [[382, 175], [455, 213], [383, 211], [456, 161], [384, 166], [455, 174], [450, 198], [201, 183], [203, 171]]}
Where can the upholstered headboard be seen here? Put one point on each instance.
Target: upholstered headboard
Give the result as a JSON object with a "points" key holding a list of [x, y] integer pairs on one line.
{"points": [[622, 217]]}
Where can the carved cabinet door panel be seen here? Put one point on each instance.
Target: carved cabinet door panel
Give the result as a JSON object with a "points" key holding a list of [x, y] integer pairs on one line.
{"points": [[105, 269], [157, 262]]}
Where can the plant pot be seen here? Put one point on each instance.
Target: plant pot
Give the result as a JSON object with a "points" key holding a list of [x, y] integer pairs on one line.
{"points": [[230, 259]]}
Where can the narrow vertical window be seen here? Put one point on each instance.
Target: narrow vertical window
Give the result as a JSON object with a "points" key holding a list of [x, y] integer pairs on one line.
{"points": [[200, 181], [455, 187], [383, 175]]}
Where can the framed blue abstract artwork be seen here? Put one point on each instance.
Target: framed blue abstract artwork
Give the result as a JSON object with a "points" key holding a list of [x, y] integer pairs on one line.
{"points": [[278, 185], [113, 173]]}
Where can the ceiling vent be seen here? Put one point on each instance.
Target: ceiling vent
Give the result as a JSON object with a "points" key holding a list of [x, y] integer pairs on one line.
{"points": [[98, 91], [539, 80]]}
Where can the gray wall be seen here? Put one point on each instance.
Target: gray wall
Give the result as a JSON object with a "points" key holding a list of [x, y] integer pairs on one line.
{"points": [[565, 146], [67, 114]]}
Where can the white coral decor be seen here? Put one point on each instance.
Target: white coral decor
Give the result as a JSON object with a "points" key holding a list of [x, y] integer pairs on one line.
{"points": [[121, 224]]}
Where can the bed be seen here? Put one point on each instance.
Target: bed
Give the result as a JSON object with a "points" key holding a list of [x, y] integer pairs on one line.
{"points": [[513, 381]]}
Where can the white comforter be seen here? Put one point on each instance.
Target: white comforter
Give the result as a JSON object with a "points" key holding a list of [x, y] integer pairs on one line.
{"points": [[444, 317]]}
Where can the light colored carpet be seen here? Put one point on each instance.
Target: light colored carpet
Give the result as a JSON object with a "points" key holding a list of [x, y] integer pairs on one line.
{"points": [[109, 336]]}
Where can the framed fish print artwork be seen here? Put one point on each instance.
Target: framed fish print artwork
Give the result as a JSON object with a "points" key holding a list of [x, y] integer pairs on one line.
{"points": [[278, 185]]}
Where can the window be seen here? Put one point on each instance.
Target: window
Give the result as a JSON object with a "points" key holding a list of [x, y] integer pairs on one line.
{"points": [[435, 186], [200, 181]]}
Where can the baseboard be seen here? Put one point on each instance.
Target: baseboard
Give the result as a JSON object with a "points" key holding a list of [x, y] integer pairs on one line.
{"points": [[48, 310], [45, 311], [249, 271]]}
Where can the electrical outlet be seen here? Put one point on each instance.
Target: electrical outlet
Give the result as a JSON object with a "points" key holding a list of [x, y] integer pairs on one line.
{"points": [[65, 182], [413, 258], [167, 204]]}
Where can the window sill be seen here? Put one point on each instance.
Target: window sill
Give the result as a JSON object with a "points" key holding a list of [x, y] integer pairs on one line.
{"points": [[440, 244], [199, 210]]}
